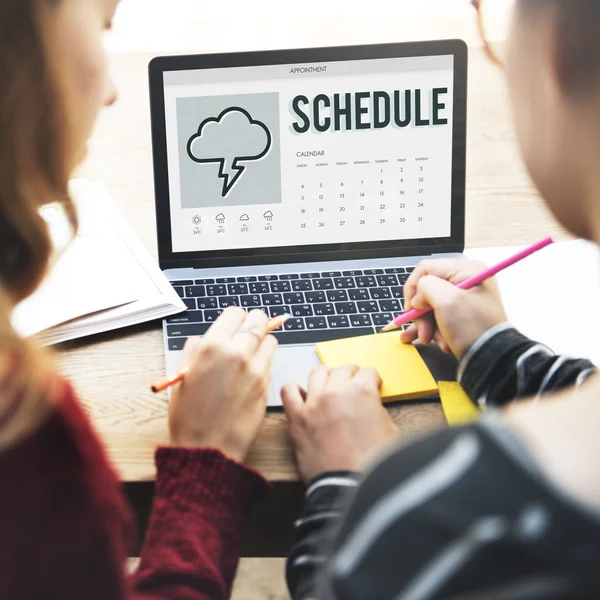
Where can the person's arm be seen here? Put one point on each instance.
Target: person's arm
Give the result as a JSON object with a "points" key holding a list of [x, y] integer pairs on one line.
{"points": [[464, 513], [504, 365], [192, 545], [323, 508]]}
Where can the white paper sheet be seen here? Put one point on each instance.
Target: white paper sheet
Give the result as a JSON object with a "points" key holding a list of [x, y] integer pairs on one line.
{"points": [[553, 296]]}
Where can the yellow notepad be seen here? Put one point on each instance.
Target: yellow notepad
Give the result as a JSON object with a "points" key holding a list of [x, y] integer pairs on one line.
{"points": [[458, 407], [404, 373]]}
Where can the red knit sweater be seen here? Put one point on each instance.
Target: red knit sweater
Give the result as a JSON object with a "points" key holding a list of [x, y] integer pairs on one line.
{"points": [[65, 529]]}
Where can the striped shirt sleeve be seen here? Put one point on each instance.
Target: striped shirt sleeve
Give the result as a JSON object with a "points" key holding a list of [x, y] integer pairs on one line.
{"points": [[430, 519], [504, 365], [462, 514]]}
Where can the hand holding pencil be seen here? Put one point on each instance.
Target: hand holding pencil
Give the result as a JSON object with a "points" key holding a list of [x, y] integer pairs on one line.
{"points": [[459, 316], [222, 400]]}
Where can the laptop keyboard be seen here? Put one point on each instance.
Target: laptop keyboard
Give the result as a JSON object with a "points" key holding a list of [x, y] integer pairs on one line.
{"points": [[323, 305]]}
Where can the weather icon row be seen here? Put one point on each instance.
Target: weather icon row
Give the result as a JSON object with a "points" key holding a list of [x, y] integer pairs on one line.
{"points": [[220, 218]]}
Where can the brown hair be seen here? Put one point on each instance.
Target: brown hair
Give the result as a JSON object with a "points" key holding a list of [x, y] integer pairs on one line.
{"points": [[578, 26], [33, 172]]}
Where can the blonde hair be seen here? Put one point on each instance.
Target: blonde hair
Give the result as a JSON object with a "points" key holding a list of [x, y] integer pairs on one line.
{"points": [[33, 171]]}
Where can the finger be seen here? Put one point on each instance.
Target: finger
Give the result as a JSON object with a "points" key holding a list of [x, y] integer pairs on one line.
{"points": [[426, 329], [317, 380], [263, 357], [452, 270], [409, 335], [252, 332], [370, 377], [342, 375], [190, 351], [292, 399], [441, 342], [227, 325], [438, 293]]}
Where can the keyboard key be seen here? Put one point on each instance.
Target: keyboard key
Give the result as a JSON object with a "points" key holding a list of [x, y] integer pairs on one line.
{"points": [[373, 271], [272, 299], [259, 288], [324, 309], [236, 289], [277, 311], [246, 279], [225, 301], [187, 330], [290, 276], [190, 303], [251, 301], [344, 283], [346, 308], [180, 292], [303, 285], [302, 310], [280, 286], [313, 336], [193, 291], [316, 323], [182, 282], [367, 307], [410, 269], [294, 325], [382, 319], [354, 273], [263, 308], [215, 290], [380, 293], [177, 343], [360, 321], [387, 280], [392, 305], [204, 281], [338, 321], [294, 298], [313, 297], [402, 279], [331, 274], [212, 315], [363, 282], [323, 284], [360, 294], [226, 280], [396, 270], [309, 275], [337, 296], [208, 302], [191, 316], [268, 278], [398, 292]]}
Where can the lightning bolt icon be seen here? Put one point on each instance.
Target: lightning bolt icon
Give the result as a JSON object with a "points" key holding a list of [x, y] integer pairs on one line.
{"points": [[229, 174]]}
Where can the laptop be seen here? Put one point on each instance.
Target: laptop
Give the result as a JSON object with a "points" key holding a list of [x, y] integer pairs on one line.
{"points": [[308, 182]]}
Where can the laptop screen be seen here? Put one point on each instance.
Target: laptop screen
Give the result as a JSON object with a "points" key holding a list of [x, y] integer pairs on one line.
{"points": [[310, 154]]}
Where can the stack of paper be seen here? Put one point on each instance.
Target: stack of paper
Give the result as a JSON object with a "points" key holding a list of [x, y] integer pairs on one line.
{"points": [[103, 280]]}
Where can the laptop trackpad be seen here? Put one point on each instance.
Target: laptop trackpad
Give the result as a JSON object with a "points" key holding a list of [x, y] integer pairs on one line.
{"points": [[292, 364]]}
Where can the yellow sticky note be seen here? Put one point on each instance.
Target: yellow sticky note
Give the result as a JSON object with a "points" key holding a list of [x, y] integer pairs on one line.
{"points": [[458, 407], [404, 373]]}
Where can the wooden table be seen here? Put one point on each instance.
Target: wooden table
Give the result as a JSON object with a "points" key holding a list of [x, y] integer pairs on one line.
{"points": [[112, 371]]}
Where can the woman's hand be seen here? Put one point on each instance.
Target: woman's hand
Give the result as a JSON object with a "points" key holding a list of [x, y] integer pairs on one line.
{"points": [[460, 316], [339, 422], [222, 400]]}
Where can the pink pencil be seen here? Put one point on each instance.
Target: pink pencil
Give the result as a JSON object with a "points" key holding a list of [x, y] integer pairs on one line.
{"points": [[413, 314]]}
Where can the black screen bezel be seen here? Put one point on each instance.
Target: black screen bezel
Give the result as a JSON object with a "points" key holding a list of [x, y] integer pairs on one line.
{"points": [[322, 252]]}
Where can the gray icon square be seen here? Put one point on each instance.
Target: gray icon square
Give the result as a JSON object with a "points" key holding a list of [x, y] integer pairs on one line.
{"points": [[229, 150]]}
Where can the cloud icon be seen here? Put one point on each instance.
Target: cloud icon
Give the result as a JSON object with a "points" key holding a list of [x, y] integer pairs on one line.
{"points": [[244, 218], [220, 218], [268, 215], [230, 139]]}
